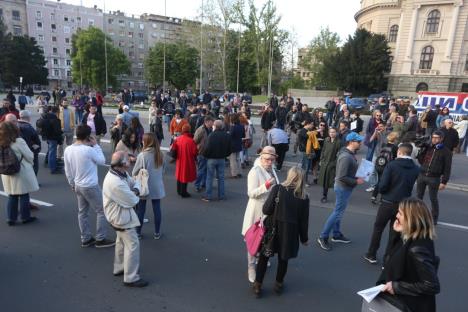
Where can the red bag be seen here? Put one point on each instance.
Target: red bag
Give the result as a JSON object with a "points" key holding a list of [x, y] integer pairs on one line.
{"points": [[253, 237]]}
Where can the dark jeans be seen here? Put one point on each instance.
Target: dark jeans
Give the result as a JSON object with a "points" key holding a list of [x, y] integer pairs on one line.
{"points": [[202, 170], [12, 207], [36, 163], [262, 267], [387, 213], [433, 185], [141, 209], [325, 191], [329, 118], [181, 188], [52, 155], [281, 150], [375, 192]]}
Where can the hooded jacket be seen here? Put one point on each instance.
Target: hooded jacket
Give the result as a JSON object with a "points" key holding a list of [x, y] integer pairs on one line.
{"points": [[346, 167], [398, 179]]}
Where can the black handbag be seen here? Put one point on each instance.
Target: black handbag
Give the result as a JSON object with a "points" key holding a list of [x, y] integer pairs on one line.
{"points": [[269, 238]]}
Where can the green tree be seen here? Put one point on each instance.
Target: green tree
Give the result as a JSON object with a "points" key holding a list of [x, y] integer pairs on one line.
{"points": [[320, 48], [88, 59], [360, 65], [21, 57], [181, 64]]}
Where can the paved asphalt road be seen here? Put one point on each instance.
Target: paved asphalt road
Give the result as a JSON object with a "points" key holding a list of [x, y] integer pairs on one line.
{"points": [[200, 263]]}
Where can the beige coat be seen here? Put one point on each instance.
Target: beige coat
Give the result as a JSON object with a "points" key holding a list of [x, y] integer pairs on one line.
{"points": [[24, 181], [258, 194]]}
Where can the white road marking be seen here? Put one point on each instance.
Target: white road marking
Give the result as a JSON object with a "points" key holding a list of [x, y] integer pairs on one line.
{"points": [[34, 201], [455, 226]]}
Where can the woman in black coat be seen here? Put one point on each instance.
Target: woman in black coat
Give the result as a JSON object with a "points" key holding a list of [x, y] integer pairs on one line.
{"points": [[410, 273], [291, 220]]}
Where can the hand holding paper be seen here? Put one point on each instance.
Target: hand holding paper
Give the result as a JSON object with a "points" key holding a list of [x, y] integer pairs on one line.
{"points": [[370, 293], [366, 168]]}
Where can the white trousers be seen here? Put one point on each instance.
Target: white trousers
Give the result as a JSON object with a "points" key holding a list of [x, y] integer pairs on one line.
{"points": [[127, 255]]}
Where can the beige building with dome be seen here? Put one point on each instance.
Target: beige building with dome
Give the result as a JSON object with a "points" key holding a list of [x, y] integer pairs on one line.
{"points": [[428, 41]]}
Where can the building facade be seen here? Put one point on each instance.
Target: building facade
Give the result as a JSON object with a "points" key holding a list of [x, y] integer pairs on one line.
{"points": [[129, 34], [53, 24], [300, 70], [13, 14], [428, 41]]}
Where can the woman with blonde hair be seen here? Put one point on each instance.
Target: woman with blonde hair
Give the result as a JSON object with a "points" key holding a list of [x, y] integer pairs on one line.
{"points": [[410, 271], [287, 210], [152, 160]]}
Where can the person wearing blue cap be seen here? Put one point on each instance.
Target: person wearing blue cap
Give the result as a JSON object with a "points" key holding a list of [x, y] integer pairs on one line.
{"points": [[345, 181]]}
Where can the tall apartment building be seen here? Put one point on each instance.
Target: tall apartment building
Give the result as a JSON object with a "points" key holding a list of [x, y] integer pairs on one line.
{"points": [[300, 70], [129, 34], [13, 15], [53, 24], [428, 41]]}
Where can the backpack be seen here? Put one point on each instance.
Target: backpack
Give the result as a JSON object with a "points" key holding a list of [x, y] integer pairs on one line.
{"points": [[9, 163], [383, 159]]}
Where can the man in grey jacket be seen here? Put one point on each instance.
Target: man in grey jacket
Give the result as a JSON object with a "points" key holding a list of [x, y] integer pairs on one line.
{"points": [[345, 181], [120, 195]]}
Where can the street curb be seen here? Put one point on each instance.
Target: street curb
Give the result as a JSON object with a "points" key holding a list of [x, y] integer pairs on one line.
{"points": [[450, 186]]}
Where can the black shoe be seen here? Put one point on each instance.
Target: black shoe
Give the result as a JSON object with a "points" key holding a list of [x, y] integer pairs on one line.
{"points": [[278, 288], [57, 171], [31, 219], [11, 223], [323, 243], [104, 243], [239, 176], [140, 283], [370, 259], [323, 200], [341, 239], [88, 243], [186, 195], [315, 181], [118, 273]]}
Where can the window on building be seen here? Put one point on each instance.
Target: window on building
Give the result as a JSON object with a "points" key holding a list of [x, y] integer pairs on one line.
{"points": [[130, 34], [40, 37], [68, 73], [121, 23], [142, 56], [131, 54], [38, 14], [66, 29], [433, 20], [39, 25], [54, 39], [142, 26], [110, 20], [78, 19], [55, 61], [68, 62], [466, 63], [422, 86], [427, 55], [53, 26], [15, 15], [67, 51], [1, 13], [392, 36], [141, 35], [17, 30], [131, 24], [65, 18], [121, 43], [56, 73], [90, 22], [121, 33], [54, 50], [141, 46], [155, 25], [52, 16], [67, 40]]}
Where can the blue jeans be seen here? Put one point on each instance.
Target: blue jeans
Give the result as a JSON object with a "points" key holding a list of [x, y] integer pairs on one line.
{"points": [[78, 116], [306, 164], [218, 166], [329, 118], [334, 220], [201, 172], [370, 151], [52, 154], [12, 207], [141, 209]]}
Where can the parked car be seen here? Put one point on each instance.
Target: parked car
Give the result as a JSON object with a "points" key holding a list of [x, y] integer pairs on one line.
{"points": [[374, 98], [140, 96], [357, 104]]}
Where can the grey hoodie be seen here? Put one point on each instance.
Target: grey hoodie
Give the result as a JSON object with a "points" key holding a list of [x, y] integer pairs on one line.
{"points": [[346, 167]]}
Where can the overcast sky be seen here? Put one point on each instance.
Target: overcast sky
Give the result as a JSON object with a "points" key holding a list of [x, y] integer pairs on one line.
{"points": [[305, 17]]}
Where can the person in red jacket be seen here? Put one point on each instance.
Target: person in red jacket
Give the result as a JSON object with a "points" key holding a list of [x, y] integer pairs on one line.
{"points": [[186, 152]]}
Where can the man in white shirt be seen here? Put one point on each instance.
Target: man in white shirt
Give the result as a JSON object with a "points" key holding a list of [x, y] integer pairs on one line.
{"points": [[279, 139], [81, 161]]}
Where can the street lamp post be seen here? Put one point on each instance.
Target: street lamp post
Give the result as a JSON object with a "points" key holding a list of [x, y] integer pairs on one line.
{"points": [[21, 84], [105, 51], [201, 51], [164, 48]]}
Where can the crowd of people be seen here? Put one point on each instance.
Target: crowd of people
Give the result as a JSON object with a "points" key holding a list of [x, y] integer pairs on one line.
{"points": [[206, 136]]}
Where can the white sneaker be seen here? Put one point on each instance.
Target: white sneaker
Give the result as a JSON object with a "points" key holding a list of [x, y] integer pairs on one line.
{"points": [[370, 189], [251, 273]]}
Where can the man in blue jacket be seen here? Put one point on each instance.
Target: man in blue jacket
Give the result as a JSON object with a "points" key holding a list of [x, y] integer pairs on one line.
{"points": [[397, 183]]}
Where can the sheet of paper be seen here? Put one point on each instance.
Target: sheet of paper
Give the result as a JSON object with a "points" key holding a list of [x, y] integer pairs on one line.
{"points": [[354, 125], [370, 293], [365, 169]]}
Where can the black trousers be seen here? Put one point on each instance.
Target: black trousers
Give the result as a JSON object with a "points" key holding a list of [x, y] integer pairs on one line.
{"points": [[375, 192], [387, 213], [281, 150], [181, 188], [432, 184], [262, 267], [325, 191]]}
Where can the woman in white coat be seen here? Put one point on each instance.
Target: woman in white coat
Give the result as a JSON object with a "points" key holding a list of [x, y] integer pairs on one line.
{"points": [[19, 185], [151, 159], [260, 180]]}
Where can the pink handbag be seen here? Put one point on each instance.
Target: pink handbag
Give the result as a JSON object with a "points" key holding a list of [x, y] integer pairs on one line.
{"points": [[253, 237]]}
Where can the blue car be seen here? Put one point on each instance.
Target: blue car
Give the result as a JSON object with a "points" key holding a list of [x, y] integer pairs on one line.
{"points": [[356, 104]]}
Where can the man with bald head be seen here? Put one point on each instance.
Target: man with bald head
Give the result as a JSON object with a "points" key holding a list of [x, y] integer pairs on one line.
{"points": [[218, 147], [120, 194]]}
